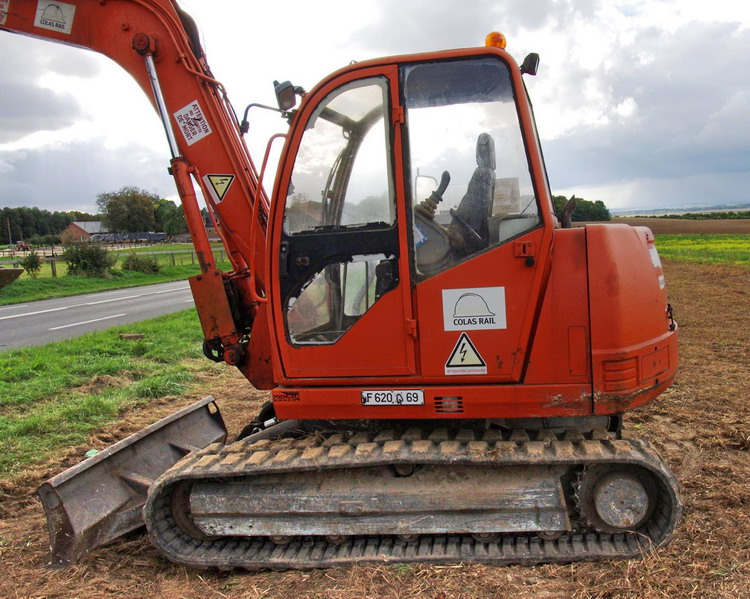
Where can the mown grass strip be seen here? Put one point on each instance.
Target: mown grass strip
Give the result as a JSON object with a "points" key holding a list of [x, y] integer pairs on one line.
{"points": [[53, 396], [706, 248]]}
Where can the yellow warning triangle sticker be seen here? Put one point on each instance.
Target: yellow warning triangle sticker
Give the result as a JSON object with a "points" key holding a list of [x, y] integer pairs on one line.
{"points": [[220, 184], [465, 359]]}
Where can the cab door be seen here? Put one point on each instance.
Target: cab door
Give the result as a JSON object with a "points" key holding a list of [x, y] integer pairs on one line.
{"points": [[482, 226], [341, 295]]}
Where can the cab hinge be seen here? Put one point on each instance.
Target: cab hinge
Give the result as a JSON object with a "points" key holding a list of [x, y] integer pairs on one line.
{"points": [[398, 115], [411, 327]]}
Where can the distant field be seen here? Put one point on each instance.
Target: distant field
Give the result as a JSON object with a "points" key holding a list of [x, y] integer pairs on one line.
{"points": [[671, 226], [706, 248]]}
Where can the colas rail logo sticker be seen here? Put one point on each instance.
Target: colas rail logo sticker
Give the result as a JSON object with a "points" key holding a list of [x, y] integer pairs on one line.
{"points": [[479, 308], [465, 359], [55, 16]]}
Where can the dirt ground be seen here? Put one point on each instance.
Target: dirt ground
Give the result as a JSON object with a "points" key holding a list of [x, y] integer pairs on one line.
{"points": [[668, 226], [701, 426]]}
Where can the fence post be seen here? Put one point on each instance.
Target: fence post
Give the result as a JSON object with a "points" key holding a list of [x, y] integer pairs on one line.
{"points": [[192, 257], [53, 264], [172, 254]]}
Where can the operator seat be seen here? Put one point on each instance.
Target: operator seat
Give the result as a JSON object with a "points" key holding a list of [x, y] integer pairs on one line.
{"points": [[471, 218]]}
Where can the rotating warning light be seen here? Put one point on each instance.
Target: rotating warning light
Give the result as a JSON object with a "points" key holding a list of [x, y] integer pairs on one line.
{"points": [[495, 40]]}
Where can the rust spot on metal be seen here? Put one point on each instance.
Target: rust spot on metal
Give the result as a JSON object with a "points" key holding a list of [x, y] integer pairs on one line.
{"points": [[616, 403]]}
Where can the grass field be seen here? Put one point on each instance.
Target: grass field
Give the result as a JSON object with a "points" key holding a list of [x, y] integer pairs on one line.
{"points": [[705, 249], [53, 396]]}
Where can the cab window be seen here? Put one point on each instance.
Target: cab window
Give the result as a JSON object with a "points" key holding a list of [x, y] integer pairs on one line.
{"points": [[471, 183]]}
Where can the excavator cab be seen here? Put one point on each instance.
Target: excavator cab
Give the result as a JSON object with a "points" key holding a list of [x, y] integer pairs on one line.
{"points": [[364, 238]]}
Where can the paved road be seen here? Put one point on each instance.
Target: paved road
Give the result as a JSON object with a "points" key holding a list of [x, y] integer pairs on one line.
{"points": [[37, 323]]}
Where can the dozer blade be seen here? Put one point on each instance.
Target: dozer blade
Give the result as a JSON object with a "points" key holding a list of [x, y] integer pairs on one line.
{"points": [[101, 499]]}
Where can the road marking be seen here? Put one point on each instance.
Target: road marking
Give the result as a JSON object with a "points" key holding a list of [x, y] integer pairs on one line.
{"points": [[14, 306], [91, 303], [188, 301], [75, 324]]}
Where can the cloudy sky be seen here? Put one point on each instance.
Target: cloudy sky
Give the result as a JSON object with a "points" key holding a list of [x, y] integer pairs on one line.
{"points": [[639, 103]]}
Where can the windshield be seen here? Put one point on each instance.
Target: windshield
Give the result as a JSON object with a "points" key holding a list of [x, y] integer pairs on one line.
{"points": [[470, 176]]}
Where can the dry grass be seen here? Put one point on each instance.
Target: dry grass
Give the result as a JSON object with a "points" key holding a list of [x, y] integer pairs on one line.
{"points": [[701, 426]]}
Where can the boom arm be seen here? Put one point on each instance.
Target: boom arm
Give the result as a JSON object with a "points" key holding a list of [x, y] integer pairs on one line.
{"points": [[154, 40]]}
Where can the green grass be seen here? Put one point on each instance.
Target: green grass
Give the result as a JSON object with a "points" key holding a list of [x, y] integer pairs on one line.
{"points": [[705, 248], [53, 396]]}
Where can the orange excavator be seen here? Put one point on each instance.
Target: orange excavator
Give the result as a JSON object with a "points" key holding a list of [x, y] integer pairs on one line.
{"points": [[448, 366]]}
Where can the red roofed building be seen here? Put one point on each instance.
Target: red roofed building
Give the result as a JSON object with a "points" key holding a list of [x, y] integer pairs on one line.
{"points": [[81, 231]]}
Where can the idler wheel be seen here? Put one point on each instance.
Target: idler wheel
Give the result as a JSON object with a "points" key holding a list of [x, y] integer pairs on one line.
{"points": [[617, 499]]}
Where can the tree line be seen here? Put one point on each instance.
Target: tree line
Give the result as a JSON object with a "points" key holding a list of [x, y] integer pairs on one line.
{"points": [[730, 215], [585, 210], [36, 225], [134, 210], [127, 210]]}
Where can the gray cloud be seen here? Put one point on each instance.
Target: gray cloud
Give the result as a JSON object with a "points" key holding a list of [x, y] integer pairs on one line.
{"points": [[424, 25], [26, 106], [70, 176], [689, 89], [691, 117]]}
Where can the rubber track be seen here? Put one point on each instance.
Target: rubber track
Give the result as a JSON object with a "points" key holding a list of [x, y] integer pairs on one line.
{"points": [[440, 447]]}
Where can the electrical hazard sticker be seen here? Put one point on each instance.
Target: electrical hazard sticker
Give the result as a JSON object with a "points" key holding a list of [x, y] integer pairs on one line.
{"points": [[465, 358], [218, 185], [4, 5], [192, 122], [55, 16], [479, 308]]}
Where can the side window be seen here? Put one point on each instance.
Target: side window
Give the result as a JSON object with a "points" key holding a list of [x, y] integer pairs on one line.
{"points": [[470, 177], [341, 174], [339, 218]]}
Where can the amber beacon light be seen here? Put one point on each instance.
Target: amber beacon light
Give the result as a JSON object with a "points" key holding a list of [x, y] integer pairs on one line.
{"points": [[495, 40]]}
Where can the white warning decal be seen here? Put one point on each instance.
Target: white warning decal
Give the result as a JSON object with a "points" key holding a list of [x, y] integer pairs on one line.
{"points": [[465, 358], [56, 16], [192, 123], [480, 308], [4, 6], [218, 185]]}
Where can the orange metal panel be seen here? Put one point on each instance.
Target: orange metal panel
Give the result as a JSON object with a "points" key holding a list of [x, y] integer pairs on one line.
{"points": [[470, 401], [634, 348], [561, 346], [503, 350]]}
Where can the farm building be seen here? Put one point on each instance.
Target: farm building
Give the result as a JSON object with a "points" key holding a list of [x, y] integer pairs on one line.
{"points": [[81, 231]]}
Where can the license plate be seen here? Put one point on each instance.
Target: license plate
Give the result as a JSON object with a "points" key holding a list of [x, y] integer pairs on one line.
{"points": [[393, 397]]}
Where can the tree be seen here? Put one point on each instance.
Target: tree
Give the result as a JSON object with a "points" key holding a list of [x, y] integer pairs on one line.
{"points": [[128, 210], [170, 218], [32, 264], [585, 210]]}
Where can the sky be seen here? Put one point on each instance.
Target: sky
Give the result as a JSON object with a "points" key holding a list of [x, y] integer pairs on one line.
{"points": [[639, 103]]}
